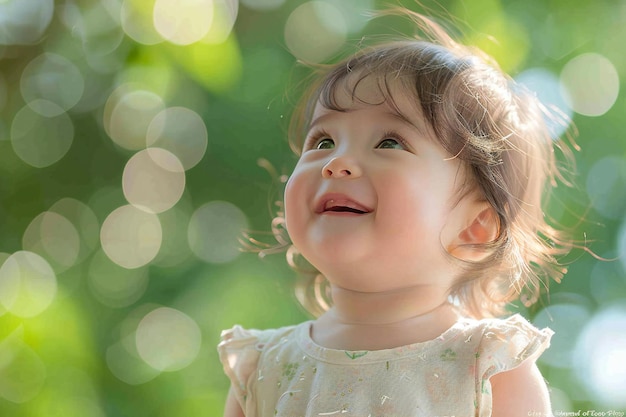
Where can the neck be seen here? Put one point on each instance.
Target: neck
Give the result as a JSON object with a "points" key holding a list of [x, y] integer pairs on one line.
{"points": [[373, 321], [395, 308]]}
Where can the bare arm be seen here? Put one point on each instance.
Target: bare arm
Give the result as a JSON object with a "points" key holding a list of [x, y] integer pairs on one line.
{"points": [[232, 408], [520, 392]]}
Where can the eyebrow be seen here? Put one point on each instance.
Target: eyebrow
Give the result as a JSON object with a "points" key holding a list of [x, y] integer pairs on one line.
{"points": [[406, 121], [396, 115]]}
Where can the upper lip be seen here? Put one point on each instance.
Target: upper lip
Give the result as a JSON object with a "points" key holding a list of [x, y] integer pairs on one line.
{"points": [[340, 202]]}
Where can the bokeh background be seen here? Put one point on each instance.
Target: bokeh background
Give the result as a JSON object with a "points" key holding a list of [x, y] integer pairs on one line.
{"points": [[140, 138]]}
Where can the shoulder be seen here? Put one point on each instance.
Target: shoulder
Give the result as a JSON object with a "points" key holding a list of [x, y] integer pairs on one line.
{"points": [[507, 352], [240, 347], [239, 351], [521, 391], [506, 343]]}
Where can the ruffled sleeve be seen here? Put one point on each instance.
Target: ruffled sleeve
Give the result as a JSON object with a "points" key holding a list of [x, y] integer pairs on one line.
{"points": [[505, 345], [239, 352]]}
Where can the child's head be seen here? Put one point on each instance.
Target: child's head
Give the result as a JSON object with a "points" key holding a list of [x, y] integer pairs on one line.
{"points": [[486, 140]]}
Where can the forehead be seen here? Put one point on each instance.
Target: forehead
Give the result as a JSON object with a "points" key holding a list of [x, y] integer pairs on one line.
{"points": [[393, 96], [355, 89]]}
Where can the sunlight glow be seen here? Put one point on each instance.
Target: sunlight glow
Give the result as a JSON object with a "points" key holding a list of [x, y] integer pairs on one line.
{"points": [[24, 22], [153, 180], [131, 237], [214, 231], [547, 87], [128, 113], [28, 284], [38, 138], [592, 84], [606, 182], [168, 340], [565, 320], [315, 31], [183, 22], [53, 237], [53, 78], [180, 131], [601, 357]]}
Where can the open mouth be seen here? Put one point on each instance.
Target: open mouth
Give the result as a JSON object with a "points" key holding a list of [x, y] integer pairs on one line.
{"points": [[343, 205], [345, 209]]}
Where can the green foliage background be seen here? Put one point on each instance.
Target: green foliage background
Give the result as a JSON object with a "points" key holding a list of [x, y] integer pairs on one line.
{"points": [[55, 363]]}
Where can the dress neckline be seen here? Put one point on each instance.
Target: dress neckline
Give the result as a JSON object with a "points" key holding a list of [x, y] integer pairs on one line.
{"points": [[337, 356]]}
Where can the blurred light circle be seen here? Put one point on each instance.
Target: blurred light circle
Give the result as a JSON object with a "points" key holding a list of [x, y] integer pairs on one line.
{"points": [[214, 231], [180, 131], [136, 25], [315, 31], [167, 339], [100, 28], [262, 5], [127, 366], [39, 140], [24, 22], [113, 285], [224, 17], [128, 113], [621, 245], [3, 92], [54, 238], [84, 220], [23, 373], [606, 183], [601, 357], [566, 320], [131, 237], [159, 78], [153, 180], [28, 284], [53, 78], [4, 135], [183, 22], [592, 84], [355, 12], [546, 86], [608, 281], [3, 257], [75, 405], [174, 249]]}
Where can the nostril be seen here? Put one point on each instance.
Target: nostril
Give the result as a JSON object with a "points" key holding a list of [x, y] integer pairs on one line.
{"points": [[338, 168]]}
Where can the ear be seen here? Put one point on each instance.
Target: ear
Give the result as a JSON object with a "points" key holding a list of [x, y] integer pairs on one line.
{"points": [[481, 228]]}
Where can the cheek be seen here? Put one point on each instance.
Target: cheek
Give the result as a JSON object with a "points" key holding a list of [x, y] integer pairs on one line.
{"points": [[294, 203], [413, 207]]}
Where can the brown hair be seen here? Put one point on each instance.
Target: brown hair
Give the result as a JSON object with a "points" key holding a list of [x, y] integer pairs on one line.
{"points": [[496, 127]]}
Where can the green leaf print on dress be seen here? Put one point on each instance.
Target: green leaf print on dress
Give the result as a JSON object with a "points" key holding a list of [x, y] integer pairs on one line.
{"points": [[448, 355], [356, 355]]}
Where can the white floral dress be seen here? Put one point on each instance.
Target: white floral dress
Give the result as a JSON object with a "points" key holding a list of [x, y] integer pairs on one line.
{"points": [[282, 372]]}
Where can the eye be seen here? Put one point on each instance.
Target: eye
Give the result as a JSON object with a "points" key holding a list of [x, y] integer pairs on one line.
{"points": [[318, 140], [325, 143], [390, 143]]}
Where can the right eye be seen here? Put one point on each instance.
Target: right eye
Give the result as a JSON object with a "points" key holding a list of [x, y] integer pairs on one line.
{"points": [[325, 143]]}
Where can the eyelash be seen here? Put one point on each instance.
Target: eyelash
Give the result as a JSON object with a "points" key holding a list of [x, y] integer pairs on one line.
{"points": [[390, 134], [313, 140]]}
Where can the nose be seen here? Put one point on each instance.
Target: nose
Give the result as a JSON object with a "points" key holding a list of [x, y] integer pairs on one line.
{"points": [[341, 167]]}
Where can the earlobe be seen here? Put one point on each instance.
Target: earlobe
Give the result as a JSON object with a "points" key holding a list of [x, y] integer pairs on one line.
{"points": [[469, 243]]}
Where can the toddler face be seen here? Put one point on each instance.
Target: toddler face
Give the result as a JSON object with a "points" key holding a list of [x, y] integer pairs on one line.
{"points": [[373, 194]]}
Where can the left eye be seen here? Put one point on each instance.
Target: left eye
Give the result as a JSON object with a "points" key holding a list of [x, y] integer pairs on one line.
{"points": [[390, 144]]}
